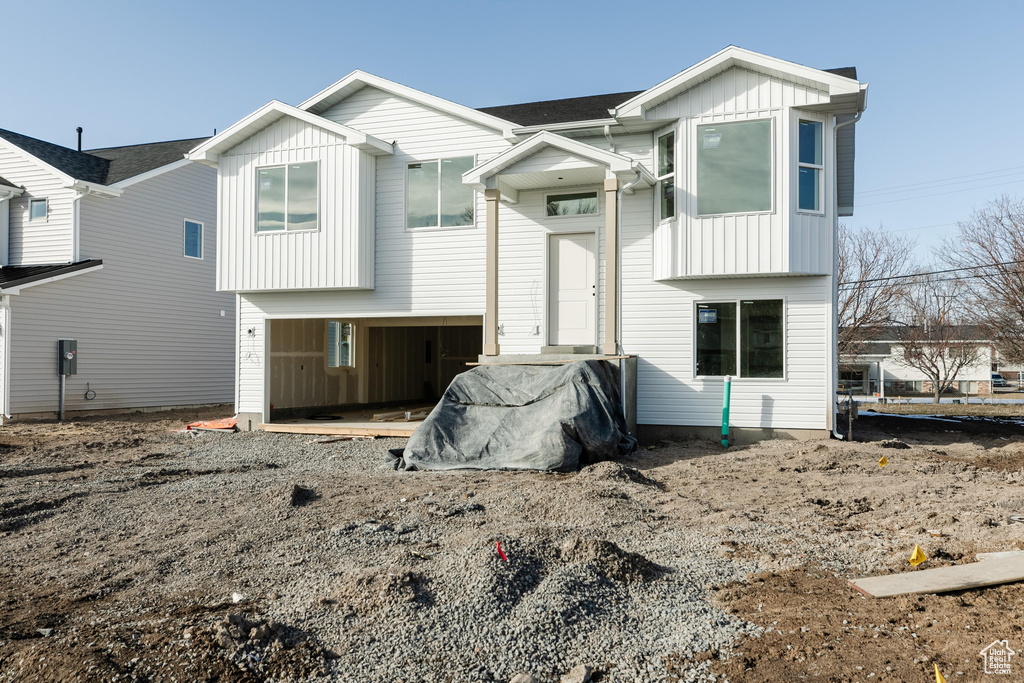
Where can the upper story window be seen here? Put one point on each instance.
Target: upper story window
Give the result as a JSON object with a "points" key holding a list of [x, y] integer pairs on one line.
{"points": [[286, 197], [666, 175], [37, 209], [576, 204], [193, 239], [339, 344], [435, 195], [811, 168], [734, 167]]}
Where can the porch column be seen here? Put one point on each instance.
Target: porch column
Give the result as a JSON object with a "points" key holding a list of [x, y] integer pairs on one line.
{"points": [[611, 267], [491, 346]]}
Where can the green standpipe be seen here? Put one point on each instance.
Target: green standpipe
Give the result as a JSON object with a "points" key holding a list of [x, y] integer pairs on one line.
{"points": [[726, 391]]}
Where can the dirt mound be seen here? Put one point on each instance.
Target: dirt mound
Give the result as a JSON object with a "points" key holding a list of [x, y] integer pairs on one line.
{"points": [[616, 472], [376, 589], [608, 559], [894, 443]]}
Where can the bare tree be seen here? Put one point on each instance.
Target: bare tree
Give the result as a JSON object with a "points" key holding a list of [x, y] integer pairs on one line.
{"points": [[936, 341], [991, 245], [870, 263]]}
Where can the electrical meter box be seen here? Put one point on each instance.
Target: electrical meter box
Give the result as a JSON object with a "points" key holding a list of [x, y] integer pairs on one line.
{"points": [[67, 356]]}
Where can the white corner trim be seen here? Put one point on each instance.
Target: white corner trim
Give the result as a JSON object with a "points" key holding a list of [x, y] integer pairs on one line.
{"points": [[142, 177], [46, 281]]}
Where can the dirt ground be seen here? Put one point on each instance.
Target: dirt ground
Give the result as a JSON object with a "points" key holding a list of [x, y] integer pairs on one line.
{"points": [[79, 602]]}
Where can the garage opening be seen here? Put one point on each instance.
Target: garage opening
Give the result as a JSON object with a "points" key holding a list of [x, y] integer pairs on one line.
{"points": [[336, 364]]}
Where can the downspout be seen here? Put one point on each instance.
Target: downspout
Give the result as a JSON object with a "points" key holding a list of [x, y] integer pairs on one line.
{"points": [[618, 284], [608, 137], [5, 349], [835, 280]]}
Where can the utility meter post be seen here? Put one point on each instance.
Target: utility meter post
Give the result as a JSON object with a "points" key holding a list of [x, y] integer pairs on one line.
{"points": [[67, 364], [726, 391]]}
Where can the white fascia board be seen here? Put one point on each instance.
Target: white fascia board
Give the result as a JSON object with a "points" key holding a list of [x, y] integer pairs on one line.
{"points": [[7, 192], [573, 126], [17, 290], [478, 177], [357, 80], [32, 159], [210, 151], [726, 59], [94, 189], [173, 166]]}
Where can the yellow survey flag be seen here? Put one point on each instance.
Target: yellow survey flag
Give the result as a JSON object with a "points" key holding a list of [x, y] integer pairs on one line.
{"points": [[938, 676], [883, 461], [917, 557]]}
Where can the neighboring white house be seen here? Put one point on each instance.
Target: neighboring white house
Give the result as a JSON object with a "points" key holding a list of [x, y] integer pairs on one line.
{"points": [[378, 237], [882, 356], [116, 249]]}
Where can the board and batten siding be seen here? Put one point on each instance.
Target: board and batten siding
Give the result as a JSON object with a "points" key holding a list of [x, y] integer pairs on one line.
{"points": [[658, 326], [40, 241], [338, 254], [778, 241], [148, 324]]}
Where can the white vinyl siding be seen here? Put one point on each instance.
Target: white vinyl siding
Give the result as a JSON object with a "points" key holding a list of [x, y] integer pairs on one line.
{"points": [[148, 324], [338, 255], [780, 241], [36, 242]]}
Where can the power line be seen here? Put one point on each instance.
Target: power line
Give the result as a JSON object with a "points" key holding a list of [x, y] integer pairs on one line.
{"points": [[939, 194], [883, 190], [932, 272], [942, 279]]}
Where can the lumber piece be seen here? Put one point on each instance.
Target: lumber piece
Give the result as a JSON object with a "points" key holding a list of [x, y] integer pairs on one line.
{"points": [[1003, 555], [943, 579]]}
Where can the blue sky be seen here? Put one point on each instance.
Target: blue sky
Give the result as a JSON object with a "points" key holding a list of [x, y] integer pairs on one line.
{"points": [[940, 137]]}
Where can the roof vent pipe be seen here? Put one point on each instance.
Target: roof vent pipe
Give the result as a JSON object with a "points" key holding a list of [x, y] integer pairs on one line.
{"points": [[79, 129]]}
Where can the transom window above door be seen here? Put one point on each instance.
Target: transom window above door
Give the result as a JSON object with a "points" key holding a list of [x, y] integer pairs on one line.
{"points": [[576, 204]]}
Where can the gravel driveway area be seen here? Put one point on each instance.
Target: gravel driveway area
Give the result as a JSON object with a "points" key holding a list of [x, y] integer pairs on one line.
{"points": [[136, 552]]}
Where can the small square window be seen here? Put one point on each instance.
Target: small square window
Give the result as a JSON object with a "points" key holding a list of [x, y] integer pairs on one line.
{"points": [[576, 204], [193, 239], [37, 209]]}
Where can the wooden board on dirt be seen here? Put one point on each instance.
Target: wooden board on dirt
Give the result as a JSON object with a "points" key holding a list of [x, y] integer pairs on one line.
{"points": [[1003, 555], [943, 579]]}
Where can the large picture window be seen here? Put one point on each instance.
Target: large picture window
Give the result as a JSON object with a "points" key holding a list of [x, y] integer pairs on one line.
{"points": [[286, 197], [734, 167], [810, 166], [435, 195], [748, 331]]}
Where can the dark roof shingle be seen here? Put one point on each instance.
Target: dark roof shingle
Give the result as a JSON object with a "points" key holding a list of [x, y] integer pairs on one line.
{"points": [[107, 165], [14, 276]]}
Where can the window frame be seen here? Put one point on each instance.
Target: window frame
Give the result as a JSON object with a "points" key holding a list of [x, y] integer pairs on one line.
{"points": [[351, 344], [438, 160], [202, 234], [739, 337], [569, 191], [46, 209], [670, 176], [772, 163], [820, 211], [256, 199]]}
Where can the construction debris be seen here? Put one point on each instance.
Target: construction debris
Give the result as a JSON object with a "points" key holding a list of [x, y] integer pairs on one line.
{"points": [[943, 579], [226, 424]]}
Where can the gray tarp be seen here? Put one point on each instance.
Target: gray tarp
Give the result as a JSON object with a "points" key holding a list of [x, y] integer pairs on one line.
{"points": [[533, 417]]}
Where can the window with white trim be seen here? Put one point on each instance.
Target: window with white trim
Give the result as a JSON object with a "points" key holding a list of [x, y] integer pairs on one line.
{"points": [[750, 331], [193, 239], [37, 209], [435, 196], [286, 197], [574, 204], [666, 175], [339, 344], [811, 168], [734, 167]]}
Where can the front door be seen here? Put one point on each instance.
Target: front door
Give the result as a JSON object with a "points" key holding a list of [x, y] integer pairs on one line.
{"points": [[572, 290]]}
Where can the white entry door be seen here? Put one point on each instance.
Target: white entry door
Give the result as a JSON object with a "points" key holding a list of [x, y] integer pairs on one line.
{"points": [[572, 291]]}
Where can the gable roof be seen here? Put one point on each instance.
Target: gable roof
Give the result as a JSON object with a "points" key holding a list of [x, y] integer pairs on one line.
{"points": [[561, 111], [357, 80], [209, 151], [104, 166]]}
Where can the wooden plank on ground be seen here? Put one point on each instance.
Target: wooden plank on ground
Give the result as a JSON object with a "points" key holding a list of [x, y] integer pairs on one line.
{"points": [[1004, 555], [943, 579], [382, 430]]}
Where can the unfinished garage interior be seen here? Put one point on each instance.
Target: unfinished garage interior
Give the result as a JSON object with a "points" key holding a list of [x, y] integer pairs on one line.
{"points": [[323, 365]]}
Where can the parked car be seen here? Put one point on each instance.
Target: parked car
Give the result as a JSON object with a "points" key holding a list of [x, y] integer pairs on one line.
{"points": [[998, 381]]}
